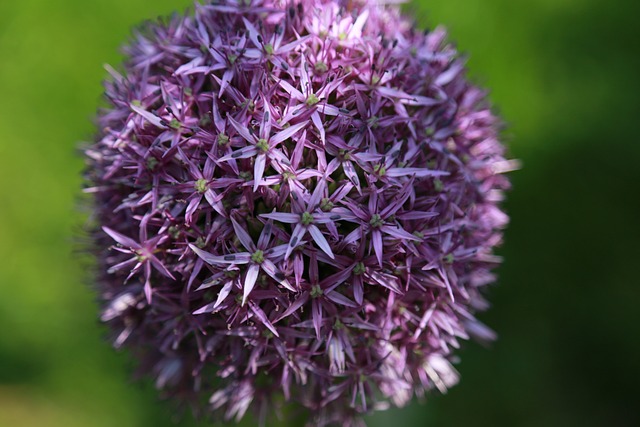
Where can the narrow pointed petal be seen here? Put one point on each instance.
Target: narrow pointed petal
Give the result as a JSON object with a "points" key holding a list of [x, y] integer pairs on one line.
{"points": [[265, 235], [358, 289], [298, 232], [376, 240], [214, 201], [290, 46], [242, 130], [254, 34], [398, 233], [148, 292], [299, 302], [292, 91], [276, 251], [417, 172], [388, 281], [222, 295], [262, 317], [320, 240], [286, 133], [243, 236], [226, 80], [289, 218], [317, 314], [416, 215], [277, 275], [160, 267], [243, 153], [151, 118], [250, 281], [317, 122], [122, 239], [220, 260], [340, 299], [350, 171], [258, 170]]}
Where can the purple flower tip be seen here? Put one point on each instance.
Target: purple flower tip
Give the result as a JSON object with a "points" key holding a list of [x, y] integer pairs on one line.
{"points": [[297, 202]]}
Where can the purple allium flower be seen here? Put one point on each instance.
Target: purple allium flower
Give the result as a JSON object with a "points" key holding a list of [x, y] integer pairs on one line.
{"points": [[297, 201]]}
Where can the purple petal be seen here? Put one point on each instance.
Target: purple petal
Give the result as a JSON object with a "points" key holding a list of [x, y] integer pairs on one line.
{"points": [[349, 170], [316, 312], [414, 215], [276, 251], [148, 291], [243, 153], [298, 232], [290, 46], [151, 118], [258, 170], [388, 281], [160, 267], [417, 172], [294, 306], [253, 32], [286, 133], [277, 275], [226, 79], [222, 295], [214, 201], [376, 239], [242, 130], [263, 317], [250, 281], [243, 236], [292, 91], [289, 218], [336, 279], [265, 235], [122, 239], [358, 289], [320, 240], [398, 233], [219, 260], [317, 122], [340, 299]]}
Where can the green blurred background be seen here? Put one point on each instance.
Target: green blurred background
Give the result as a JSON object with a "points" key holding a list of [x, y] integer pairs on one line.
{"points": [[565, 76]]}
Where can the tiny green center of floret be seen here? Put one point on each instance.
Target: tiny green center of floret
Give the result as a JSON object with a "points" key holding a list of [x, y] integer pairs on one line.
{"points": [[321, 67], [257, 257], [286, 175], [344, 155], [359, 269], [223, 139], [306, 218], [268, 48], [316, 291], [312, 100], [376, 221], [380, 170], [326, 205], [262, 145], [175, 123], [201, 186]]}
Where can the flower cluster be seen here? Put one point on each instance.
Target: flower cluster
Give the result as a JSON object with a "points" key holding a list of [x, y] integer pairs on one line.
{"points": [[296, 201]]}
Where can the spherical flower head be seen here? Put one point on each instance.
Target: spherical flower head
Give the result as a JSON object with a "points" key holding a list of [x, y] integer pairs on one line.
{"points": [[297, 203]]}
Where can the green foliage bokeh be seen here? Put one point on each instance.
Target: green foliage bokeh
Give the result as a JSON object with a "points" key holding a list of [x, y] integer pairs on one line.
{"points": [[563, 74]]}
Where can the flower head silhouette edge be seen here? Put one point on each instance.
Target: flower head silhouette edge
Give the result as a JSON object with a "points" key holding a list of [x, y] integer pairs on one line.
{"points": [[295, 202]]}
